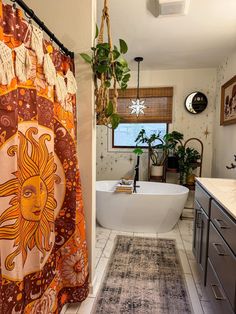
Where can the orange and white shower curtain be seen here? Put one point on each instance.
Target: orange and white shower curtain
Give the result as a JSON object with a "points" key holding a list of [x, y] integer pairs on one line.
{"points": [[43, 254]]}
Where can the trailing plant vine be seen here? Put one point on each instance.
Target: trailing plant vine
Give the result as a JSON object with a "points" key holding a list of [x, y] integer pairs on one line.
{"points": [[109, 69]]}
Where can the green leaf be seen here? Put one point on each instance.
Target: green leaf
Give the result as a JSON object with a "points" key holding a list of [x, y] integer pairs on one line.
{"points": [[126, 78], [87, 58], [109, 109], [122, 62], [105, 46], [123, 46], [102, 68], [107, 84], [126, 70], [115, 120], [97, 32], [138, 151], [123, 86], [102, 53], [116, 54]]}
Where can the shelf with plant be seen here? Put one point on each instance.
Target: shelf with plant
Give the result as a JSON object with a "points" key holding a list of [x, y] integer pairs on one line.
{"points": [[189, 159], [172, 141], [110, 69]]}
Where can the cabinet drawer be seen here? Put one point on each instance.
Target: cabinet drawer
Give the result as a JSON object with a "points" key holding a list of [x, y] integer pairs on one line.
{"points": [[216, 293], [224, 224], [224, 263], [203, 198]]}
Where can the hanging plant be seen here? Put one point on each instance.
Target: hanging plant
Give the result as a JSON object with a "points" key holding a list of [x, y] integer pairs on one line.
{"points": [[109, 69]]}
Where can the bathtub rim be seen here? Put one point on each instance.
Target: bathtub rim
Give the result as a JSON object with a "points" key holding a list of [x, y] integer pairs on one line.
{"points": [[184, 189]]}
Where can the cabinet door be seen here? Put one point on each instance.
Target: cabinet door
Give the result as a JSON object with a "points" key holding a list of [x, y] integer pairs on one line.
{"points": [[203, 250], [197, 230]]}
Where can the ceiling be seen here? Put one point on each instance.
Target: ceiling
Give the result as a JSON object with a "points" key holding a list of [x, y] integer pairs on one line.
{"points": [[203, 38]]}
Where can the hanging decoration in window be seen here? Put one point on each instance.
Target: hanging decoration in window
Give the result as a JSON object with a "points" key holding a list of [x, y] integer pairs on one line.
{"points": [[109, 69], [137, 106]]}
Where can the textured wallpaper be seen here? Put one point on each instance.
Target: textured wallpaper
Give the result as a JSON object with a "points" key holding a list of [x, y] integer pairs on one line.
{"points": [[115, 163], [224, 136]]}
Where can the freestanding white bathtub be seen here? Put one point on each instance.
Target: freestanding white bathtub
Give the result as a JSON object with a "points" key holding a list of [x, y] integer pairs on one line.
{"points": [[156, 207]]}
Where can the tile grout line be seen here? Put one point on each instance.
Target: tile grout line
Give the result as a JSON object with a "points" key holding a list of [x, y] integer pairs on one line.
{"points": [[191, 270], [103, 249]]}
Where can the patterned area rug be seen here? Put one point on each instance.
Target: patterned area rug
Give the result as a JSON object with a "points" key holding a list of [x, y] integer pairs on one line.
{"points": [[144, 276]]}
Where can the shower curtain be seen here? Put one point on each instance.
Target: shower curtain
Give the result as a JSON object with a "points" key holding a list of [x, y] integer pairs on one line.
{"points": [[43, 254]]}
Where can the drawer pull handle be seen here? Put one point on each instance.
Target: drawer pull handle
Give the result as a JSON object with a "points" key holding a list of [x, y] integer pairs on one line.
{"points": [[217, 247], [216, 292], [221, 224]]}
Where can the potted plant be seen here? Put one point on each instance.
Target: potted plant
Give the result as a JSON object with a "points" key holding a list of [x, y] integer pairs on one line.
{"points": [[109, 69], [188, 161], [171, 142], [157, 152]]}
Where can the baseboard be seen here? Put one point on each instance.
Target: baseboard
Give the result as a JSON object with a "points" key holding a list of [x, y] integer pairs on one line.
{"points": [[92, 285]]}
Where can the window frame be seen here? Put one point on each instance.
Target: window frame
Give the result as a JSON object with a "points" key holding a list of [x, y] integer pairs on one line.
{"points": [[131, 147]]}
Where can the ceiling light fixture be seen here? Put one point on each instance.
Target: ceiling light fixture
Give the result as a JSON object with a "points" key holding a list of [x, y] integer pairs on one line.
{"points": [[137, 106]]}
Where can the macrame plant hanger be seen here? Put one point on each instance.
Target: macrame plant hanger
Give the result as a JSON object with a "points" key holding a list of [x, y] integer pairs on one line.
{"points": [[102, 92]]}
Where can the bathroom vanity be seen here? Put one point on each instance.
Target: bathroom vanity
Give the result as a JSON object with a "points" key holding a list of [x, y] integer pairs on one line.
{"points": [[214, 240]]}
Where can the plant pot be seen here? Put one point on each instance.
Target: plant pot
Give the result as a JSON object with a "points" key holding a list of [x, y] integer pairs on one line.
{"points": [[156, 171], [173, 163], [190, 179]]}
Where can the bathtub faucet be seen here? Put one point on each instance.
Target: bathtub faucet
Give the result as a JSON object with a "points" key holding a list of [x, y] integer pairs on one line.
{"points": [[136, 175]]}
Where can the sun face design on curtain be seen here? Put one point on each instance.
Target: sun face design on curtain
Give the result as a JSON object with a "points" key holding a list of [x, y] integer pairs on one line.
{"points": [[44, 261], [33, 211]]}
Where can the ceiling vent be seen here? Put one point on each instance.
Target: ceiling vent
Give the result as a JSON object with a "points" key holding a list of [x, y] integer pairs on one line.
{"points": [[173, 7]]}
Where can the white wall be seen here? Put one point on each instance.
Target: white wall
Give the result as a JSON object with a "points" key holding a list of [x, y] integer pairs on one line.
{"points": [[224, 136], [115, 164], [86, 125]]}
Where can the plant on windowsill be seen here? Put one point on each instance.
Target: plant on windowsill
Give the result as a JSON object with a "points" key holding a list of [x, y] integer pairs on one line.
{"points": [[188, 161], [157, 152], [109, 69]]}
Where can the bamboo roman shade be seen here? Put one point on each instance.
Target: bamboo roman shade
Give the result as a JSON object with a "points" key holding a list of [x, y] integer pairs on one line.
{"points": [[157, 100]]}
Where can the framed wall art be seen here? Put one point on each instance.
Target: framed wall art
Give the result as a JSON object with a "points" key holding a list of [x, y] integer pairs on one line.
{"points": [[228, 102]]}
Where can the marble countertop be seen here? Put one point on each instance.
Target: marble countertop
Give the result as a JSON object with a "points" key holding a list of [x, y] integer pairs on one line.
{"points": [[223, 191]]}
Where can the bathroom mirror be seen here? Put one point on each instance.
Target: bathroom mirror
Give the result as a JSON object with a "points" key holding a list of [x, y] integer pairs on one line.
{"points": [[196, 102]]}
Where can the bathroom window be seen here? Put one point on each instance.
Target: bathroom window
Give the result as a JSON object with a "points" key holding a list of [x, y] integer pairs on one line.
{"points": [[125, 134], [157, 114]]}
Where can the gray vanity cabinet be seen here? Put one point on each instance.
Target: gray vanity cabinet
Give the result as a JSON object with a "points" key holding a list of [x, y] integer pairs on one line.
{"points": [[201, 230], [214, 246]]}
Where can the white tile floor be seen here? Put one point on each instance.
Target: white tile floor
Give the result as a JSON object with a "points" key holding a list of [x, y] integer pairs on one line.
{"points": [[182, 233]]}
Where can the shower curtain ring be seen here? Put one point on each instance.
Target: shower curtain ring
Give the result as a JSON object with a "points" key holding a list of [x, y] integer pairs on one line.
{"points": [[29, 16], [14, 4]]}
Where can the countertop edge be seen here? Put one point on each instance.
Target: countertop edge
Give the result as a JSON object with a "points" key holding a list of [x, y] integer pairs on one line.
{"points": [[215, 197]]}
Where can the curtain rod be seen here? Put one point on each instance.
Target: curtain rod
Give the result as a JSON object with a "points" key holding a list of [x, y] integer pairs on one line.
{"points": [[30, 14]]}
